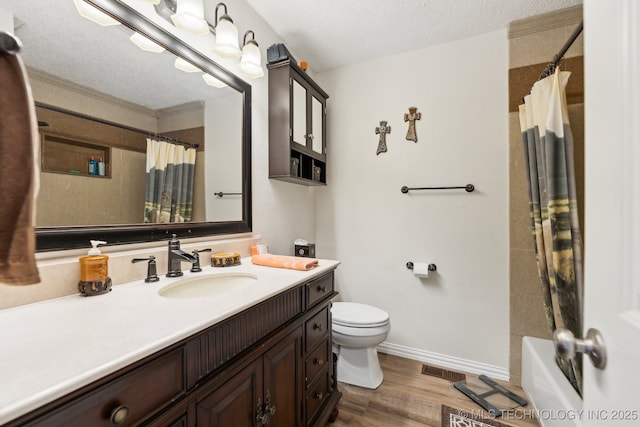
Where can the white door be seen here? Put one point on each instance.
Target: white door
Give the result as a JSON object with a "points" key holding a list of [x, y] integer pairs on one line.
{"points": [[612, 208]]}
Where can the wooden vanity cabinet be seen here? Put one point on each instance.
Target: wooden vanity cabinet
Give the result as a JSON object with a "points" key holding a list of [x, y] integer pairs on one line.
{"points": [[265, 392], [128, 398], [270, 364], [297, 125]]}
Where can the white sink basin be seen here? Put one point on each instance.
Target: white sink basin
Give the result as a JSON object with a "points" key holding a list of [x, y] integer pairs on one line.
{"points": [[207, 286]]}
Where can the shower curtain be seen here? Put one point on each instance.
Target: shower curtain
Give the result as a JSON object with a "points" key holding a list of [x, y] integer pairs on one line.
{"points": [[170, 176], [548, 152]]}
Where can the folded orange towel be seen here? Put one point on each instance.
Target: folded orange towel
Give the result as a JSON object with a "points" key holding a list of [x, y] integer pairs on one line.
{"points": [[281, 261]]}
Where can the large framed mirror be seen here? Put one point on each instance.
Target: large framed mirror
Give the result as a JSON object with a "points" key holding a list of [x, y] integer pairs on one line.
{"points": [[98, 95]]}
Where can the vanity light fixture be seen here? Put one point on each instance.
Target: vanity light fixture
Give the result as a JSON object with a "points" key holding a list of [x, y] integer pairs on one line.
{"points": [[212, 81], [93, 14], [251, 62], [145, 44], [186, 66], [226, 35], [189, 17]]}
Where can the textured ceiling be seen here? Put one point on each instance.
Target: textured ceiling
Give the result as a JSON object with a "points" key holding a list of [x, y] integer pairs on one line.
{"points": [[333, 33]]}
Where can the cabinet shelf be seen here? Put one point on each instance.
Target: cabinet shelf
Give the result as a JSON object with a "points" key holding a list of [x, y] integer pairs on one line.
{"points": [[297, 125]]}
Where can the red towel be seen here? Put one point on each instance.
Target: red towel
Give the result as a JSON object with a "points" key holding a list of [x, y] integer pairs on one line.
{"points": [[18, 174], [281, 261]]}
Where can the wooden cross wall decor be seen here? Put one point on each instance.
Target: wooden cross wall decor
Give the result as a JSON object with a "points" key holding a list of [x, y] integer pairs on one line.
{"points": [[382, 130], [411, 118]]}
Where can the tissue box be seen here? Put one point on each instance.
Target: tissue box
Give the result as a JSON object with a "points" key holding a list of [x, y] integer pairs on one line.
{"points": [[278, 52], [308, 250]]}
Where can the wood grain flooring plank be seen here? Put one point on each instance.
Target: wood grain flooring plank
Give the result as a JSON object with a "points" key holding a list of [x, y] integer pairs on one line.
{"points": [[408, 398]]}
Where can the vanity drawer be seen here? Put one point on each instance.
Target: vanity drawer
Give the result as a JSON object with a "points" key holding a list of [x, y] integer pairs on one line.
{"points": [[319, 289], [141, 392], [316, 396], [316, 328], [316, 362]]}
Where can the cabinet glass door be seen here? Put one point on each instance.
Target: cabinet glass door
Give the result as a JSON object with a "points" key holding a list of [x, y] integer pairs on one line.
{"points": [[317, 115], [299, 109]]}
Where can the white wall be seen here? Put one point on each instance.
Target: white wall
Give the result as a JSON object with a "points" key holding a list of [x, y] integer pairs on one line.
{"points": [[366, 222], [6, 20]]}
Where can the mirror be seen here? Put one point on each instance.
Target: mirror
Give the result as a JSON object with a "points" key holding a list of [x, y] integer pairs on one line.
{"points": [[100, 95]]}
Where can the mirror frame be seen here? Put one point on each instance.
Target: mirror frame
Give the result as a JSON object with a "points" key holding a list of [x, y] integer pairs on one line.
{"points": [[61, 238]]}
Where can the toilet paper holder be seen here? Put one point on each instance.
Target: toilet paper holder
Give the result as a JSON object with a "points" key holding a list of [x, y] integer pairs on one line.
{"points": [[432, 267]]}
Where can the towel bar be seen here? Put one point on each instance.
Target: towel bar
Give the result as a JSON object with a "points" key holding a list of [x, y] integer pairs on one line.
{"points": [[468, 188], [221, 194]]}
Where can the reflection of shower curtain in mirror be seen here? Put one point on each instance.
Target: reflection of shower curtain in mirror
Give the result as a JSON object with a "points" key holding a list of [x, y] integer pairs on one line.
{"points": [[170, 175], [548, 150]]}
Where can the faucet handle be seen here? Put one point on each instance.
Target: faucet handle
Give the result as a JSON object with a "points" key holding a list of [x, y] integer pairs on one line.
{"points": [[195, 268], [152, 274]]}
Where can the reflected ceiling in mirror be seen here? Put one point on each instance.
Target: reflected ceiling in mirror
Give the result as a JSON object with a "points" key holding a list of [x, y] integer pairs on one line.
{"points": [[84, 73]]}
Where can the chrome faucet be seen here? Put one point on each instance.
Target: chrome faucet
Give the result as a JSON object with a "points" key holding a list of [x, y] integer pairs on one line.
{"points": [[177, 257]]}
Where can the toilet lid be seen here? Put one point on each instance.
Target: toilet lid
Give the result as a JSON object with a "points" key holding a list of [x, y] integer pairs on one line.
{"points": [[358, 315]]}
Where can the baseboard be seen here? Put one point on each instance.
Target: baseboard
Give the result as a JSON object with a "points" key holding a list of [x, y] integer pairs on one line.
{"points": [[445, 361]]}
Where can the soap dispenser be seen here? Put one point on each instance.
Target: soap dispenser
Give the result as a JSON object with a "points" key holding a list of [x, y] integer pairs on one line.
{"points": [[94, 271]]}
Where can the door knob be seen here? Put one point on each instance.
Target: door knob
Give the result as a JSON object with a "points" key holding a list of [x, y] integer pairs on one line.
{"points": [[567, 345]]}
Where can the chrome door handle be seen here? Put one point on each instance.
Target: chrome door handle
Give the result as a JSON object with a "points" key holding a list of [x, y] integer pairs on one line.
{"points": [[567, 345]]}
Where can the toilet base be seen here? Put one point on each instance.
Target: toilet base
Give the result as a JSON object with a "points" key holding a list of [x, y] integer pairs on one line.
{"points": [[360, 367]]}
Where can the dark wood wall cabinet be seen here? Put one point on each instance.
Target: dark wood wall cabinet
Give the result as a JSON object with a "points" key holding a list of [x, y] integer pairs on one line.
{"points": [[297, 125], [269, 365]]}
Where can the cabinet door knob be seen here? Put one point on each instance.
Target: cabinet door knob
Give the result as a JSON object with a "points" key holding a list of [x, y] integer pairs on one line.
{"points": [[119, 415], [271, 410], [319, 396], [319, 362], [322, 289], [317, 326], [261, 417]]}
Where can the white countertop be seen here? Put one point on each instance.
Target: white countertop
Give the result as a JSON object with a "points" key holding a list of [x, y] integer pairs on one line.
{"points": [[54, 347]]}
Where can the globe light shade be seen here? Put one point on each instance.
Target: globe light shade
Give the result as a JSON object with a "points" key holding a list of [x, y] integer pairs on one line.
{"points": [[212, 81], [189, 17], [227, 39], [146, 44], [251, 62], [93, 14], [186, 66]]}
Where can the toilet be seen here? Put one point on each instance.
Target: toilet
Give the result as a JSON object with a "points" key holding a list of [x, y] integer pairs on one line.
{"points": [[357, 330]]}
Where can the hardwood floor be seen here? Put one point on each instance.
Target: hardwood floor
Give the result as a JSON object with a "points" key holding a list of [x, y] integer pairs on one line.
{"points": [[408, 398]]}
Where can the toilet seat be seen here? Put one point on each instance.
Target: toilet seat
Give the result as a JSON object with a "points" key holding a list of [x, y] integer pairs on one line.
{"points": [[355, 315]]}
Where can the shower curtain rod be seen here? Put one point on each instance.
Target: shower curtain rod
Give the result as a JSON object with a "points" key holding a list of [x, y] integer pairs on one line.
{"points": [[124, 127], [558, 56]]}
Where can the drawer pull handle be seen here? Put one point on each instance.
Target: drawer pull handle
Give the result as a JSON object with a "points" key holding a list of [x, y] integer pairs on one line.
{"points": [[319, 362], [322, 289], [119, 415], [317, 326], [319, 396]]}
